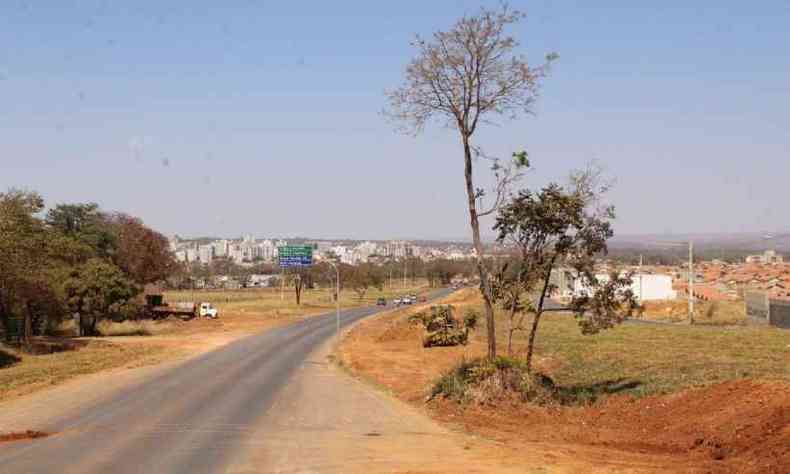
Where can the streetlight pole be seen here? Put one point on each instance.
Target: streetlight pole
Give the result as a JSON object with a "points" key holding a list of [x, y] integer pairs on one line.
{"points": [[691, 282], [337, 297]]}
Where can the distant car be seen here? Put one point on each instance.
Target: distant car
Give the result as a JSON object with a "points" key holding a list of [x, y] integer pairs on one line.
{"points": [[396, 301], [381, 302], [406, 300]]}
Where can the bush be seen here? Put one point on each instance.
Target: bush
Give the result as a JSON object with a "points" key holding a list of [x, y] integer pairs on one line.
{"points": [[443, 327], [483, 381]]}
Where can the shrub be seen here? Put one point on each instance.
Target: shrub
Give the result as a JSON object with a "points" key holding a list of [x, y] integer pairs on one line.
{"points": [[443, 327], [483, 381]]}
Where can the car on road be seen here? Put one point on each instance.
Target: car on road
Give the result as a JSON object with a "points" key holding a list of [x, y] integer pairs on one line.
{"points": [[406, 300], [397, 301], [381, 302]]}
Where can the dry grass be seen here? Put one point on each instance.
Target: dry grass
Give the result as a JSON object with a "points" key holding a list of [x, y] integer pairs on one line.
{"points": [[250, 308], [643, 358], [29, 373], [708, 313], [635, 358], [132, 328]]}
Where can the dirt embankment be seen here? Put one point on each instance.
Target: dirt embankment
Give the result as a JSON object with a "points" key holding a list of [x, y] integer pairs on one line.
{"points": [[739, 426]]}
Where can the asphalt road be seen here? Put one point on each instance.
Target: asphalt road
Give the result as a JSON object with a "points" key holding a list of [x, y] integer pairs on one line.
{"points": [[192, 418]]}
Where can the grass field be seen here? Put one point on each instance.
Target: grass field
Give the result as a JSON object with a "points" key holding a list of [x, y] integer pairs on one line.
{"points": [[706, 313], [644, 358], [271, 303], [22, 373]]}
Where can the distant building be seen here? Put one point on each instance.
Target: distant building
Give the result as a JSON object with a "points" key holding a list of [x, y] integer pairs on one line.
{"points": [[769, 257], [399, 249], [221, 248], [205, 253], [256, 281]]}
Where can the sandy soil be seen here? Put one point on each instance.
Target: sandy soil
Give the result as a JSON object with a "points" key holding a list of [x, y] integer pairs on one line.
{"points": [[739, 426]]}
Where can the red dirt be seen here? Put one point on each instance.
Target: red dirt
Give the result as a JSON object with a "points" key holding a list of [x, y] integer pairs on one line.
{"points": [[29, 434], [741, 426]]}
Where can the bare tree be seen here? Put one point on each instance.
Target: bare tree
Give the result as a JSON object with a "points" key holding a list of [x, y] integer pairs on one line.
{"points": [[463, 77]]}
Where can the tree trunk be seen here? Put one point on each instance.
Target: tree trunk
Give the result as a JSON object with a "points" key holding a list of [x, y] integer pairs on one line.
{"points": [[539, 312], [485, 285], [531, 345], [28, 330], [511, 329], [298, 289]]}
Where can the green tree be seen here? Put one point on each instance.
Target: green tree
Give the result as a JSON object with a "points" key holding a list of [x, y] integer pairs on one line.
{"points": [[463, 77], [23, 254], [560, 227], [97, 290], [364, 276], [86, 224]]}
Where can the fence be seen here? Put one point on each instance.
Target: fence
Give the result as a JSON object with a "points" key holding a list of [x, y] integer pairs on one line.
{"points": [[779, 314], [761, 309], [757, 306]]}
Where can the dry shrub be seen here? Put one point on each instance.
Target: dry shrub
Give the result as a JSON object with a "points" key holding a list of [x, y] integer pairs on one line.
{"points": [[130, 328], [489, 382]]}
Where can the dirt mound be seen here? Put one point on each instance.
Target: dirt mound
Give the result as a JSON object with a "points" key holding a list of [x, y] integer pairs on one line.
{"points": [[745, 422], [739, 426]]}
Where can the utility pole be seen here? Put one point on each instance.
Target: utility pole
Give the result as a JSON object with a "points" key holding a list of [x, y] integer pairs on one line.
{"points": [[282, 283], [691, 282], [640, 279], [404, 271]]}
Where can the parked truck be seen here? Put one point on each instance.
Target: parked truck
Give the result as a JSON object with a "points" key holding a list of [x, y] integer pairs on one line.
{"points": [[157, 308]]}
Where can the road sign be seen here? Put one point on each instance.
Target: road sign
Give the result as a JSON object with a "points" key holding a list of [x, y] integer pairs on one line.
{"points": [[295, 255]]}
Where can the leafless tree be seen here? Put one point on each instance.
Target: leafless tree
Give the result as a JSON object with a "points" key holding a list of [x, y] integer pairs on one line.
{"points": [[462, 77]]}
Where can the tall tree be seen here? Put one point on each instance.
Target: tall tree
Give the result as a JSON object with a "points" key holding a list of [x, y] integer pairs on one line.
{"points": [[97, 290], [22, 253], [84, 223], [141, 252], [462, 77]]}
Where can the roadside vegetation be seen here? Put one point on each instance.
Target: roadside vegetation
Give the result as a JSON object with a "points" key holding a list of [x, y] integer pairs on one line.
{"points": [[642, 359], [22, 373], [688, 395]]}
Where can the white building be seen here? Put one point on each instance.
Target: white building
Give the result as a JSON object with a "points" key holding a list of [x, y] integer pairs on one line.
{"points": [[766, 258], [205, 253], [221, 248], [646, 287]]}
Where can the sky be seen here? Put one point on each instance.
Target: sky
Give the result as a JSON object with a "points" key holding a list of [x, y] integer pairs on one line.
{"points": [[236, 117]]}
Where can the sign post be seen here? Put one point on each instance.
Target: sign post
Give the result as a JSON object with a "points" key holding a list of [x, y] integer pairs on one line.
{"points": [[290, 256]]}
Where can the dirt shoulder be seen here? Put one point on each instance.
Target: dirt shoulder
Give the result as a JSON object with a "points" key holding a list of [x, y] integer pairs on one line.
{"points": [[735, 426]]}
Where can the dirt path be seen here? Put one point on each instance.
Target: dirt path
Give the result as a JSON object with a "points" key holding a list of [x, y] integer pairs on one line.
{"points": [[326, 421]]}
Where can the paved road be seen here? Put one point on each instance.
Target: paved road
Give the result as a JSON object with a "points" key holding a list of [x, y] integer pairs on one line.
{"points": [[194, 418]]}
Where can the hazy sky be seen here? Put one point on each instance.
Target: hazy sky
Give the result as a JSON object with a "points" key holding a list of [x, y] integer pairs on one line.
{"points": [[264, 117]]}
